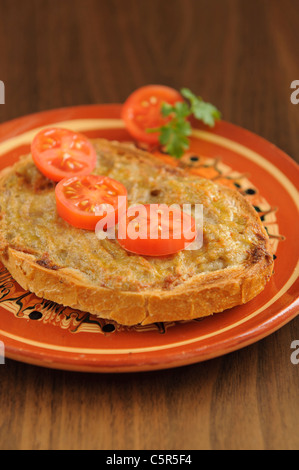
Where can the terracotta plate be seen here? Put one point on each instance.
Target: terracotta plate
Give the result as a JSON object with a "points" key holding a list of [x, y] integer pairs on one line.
{"points": [[40, 332]]}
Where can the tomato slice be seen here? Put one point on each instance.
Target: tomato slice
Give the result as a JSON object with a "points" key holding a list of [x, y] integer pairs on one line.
{"points": [[61, 153], [156, 230], [84, 200], [142, 111]]}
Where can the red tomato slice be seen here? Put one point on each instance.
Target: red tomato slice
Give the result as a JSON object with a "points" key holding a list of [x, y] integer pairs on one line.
{"points": [[156, 230], [84, 200], [60, 153], [142, 111]]}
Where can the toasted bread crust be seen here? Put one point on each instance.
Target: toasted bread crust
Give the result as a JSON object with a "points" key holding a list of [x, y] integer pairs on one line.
{"points": [[198, 296]]}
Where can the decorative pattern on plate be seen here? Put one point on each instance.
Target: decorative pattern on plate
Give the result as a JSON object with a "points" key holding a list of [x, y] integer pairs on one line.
{"points": [[216, 170]]}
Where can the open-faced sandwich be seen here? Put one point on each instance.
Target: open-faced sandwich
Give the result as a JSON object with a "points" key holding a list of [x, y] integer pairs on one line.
{"points": [[53, 201]]}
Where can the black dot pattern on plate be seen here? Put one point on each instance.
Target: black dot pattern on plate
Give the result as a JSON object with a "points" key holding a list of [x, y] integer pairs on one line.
{"points": [[108, 328], [250, 191], [35, 315], [262, 217]]}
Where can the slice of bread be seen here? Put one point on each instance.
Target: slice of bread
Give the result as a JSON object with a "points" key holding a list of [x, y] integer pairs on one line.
{"points": [[74, 268]]}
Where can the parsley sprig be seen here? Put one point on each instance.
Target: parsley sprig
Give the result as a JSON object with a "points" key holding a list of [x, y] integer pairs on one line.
{"points": [[174, 135]]}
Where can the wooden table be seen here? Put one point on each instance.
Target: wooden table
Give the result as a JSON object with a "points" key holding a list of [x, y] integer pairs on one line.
{"points": [[240, 55]]}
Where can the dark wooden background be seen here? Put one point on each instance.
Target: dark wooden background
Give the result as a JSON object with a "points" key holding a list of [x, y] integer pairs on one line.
{"points": [[240, 55]]}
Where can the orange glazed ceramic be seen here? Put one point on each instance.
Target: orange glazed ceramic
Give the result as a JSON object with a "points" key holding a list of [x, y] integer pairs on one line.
{"points": [[43, 333]]}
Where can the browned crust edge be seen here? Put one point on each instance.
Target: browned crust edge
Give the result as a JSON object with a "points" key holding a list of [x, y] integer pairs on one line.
{"points": [[200, 296]]}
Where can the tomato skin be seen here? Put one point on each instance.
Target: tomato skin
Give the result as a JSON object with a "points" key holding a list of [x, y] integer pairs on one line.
{"points": [[61, 153], [152, 229], [142, 111], [77, 197]]}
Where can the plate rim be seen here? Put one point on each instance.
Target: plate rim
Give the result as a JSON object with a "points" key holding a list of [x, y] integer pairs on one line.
{"points": [[195, 356]]}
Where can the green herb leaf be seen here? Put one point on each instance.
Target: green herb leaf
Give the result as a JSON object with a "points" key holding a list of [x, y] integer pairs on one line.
{"points": [[205, 112], [174, 135], [166, 109], [179, 110]]}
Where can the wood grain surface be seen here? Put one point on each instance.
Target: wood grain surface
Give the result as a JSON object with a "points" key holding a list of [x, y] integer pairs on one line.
{"points": [[240, 55]]}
